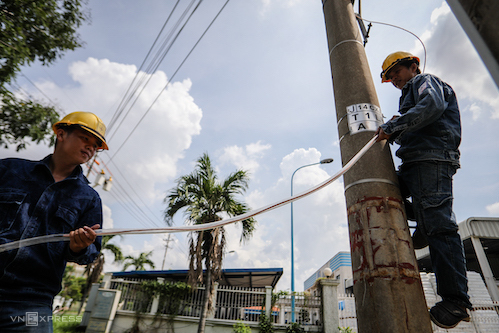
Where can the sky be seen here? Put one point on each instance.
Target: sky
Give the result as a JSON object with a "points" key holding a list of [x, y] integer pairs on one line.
{"points": [[255, 94]]}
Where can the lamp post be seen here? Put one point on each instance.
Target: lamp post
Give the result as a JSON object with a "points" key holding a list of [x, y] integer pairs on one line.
{"points": [[324, 161]]}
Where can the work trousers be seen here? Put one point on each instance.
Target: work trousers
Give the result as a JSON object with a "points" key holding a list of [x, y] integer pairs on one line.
{"points": [[429, 184], [26, 317]]}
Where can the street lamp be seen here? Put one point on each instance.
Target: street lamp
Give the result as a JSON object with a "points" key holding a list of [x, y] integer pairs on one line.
{"points": [[324, 161]]}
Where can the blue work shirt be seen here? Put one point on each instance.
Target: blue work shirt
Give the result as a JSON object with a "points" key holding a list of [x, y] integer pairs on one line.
{"points": [[33, 204], [429, 128]]}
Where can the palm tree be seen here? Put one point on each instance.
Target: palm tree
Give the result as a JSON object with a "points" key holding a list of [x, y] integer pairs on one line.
{"points": [[139, 263], [98, 265], [94, 270], [205, 200]]}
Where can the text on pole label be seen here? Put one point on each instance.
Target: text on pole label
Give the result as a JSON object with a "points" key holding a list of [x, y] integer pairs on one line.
{"points": [[364, 117]]}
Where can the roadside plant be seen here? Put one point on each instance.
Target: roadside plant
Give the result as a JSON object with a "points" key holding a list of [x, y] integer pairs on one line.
{"points": [[240, 327], [265, 324], [294, 328]]}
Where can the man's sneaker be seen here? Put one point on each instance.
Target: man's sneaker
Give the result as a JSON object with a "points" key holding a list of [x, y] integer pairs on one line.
{"points": [[419, 240], [446, 314]]}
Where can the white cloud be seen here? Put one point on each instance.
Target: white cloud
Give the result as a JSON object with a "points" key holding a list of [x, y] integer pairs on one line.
{"points": [[475, 110], [153, 149], [176, 255], [257, 149], [493, 209], [443, 10], [298, 158], [452, 57], [107, 220], [320, 228], [246, 158]]}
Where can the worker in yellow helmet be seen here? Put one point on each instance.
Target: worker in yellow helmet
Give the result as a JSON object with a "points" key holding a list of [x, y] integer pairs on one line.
{"points": [[51, 196], [428, 131]]}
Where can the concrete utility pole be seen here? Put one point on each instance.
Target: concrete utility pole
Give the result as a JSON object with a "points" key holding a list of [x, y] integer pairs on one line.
{"points": [[387, 287]]}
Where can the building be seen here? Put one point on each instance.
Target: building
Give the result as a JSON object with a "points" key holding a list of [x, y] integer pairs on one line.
{"points": [[341, 268], [480, 236], [234, 277]]}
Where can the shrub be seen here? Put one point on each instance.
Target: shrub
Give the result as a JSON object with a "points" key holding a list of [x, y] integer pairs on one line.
{"points": [[240, 327], [294, 328], [265, 325]]}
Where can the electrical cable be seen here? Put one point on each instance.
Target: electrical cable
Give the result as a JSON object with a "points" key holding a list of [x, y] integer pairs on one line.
{"points": [[196, 227], [119, 199], [140, 77], [126, 181], [135, 205], [168, 83], [398, 27], [135, 210], [125, 193], [155, 67], [152, 67], [121, 106], [34, 85]]}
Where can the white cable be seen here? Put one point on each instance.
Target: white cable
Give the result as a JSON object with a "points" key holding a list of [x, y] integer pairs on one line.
{"points": [[197, 227]]}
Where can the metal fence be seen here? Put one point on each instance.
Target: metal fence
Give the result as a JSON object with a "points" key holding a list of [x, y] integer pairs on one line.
{"points": [[231, 303], [131, 293], [307, 310], [346, 311]]}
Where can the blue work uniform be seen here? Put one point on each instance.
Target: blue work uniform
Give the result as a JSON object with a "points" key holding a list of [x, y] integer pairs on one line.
{"points": [[33, 204], [429, 134]]}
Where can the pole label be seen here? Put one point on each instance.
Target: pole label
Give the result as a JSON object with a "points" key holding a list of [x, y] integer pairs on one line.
{"points": [[364, 117]]}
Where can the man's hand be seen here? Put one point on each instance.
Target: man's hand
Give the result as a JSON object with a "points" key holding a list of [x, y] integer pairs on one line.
{"points": [[382, 135], [80, 239]]}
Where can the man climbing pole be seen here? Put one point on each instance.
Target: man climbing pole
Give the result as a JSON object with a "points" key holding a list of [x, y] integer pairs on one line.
{"points": [[428, 131]]}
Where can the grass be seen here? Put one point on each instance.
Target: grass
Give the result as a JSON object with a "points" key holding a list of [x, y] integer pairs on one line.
{"points": [[66, 322]]}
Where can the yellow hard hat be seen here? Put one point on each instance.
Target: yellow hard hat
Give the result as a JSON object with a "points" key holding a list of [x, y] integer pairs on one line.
{"points": [[86, 121], [394, 59]]}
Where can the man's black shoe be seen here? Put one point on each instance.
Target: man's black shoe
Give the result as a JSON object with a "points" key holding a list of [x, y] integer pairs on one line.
{"points": [[446, 314], [419, 240]]}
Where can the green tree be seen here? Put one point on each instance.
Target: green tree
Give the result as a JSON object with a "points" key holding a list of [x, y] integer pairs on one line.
{"points": [[205, 200], [240, 327], [94, 270], [30, 30], [37, 30], [21, 120], [72, 286], [139, 262]]}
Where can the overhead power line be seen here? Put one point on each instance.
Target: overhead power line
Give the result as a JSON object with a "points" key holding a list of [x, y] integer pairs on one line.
{"points": [[170, 80], [125, 99], [155, 67], [398, 27], [145, 71], [34, 85]]}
